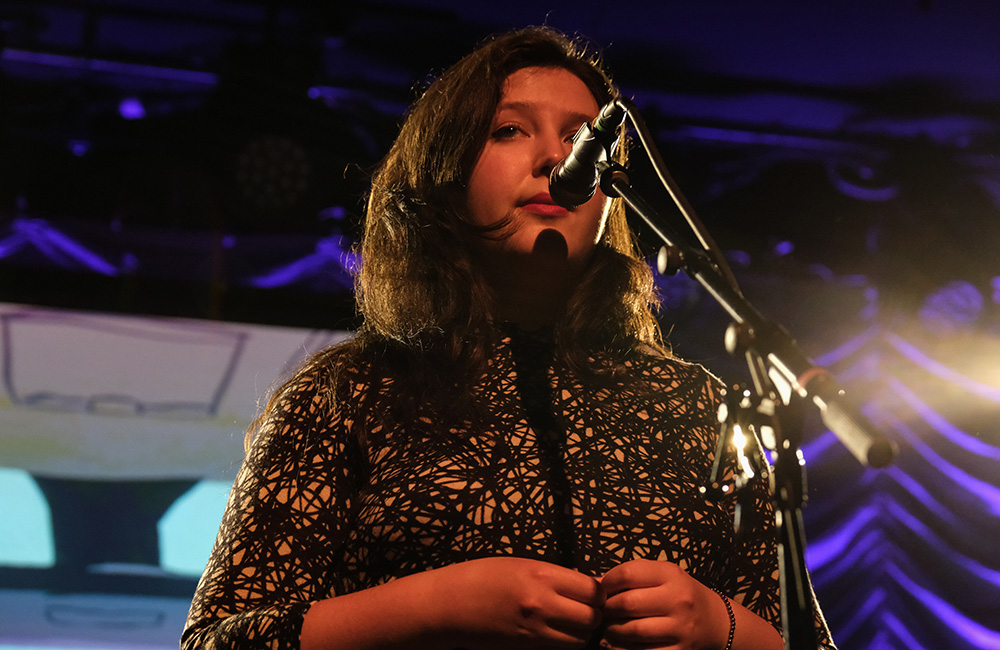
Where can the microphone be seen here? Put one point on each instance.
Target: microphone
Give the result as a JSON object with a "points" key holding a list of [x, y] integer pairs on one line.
{"points": [[574, 180]]}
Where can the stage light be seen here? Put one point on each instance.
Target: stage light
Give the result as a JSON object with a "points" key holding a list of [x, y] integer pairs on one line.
{"points": [[335, 212], [952, 307], [79, 148], [783, 248], [131, 108]]}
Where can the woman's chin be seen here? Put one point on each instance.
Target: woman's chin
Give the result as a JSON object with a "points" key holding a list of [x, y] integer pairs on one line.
{"points": [[551, 245]]}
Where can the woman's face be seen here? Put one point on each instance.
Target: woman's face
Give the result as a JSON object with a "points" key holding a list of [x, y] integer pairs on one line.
{"points": [[540, 111]]}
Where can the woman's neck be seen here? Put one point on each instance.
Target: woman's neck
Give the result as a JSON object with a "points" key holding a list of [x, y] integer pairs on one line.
{"points": [[532, 289], [530, 295]]}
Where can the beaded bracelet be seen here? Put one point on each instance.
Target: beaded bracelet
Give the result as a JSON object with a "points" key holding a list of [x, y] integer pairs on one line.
{"points": [[732, 620]]}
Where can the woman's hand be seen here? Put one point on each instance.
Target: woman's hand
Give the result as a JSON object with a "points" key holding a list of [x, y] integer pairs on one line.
{"points": [[657, 605], [517, 603]]}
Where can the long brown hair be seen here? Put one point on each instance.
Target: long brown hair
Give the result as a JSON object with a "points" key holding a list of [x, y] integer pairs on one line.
{"points": [[426, 307]]}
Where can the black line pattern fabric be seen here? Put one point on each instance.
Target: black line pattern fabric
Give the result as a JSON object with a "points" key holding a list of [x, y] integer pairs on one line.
{"points": [[550, 472]]}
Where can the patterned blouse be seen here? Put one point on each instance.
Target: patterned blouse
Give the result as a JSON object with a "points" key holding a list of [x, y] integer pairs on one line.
{"points": [[585, 479]]}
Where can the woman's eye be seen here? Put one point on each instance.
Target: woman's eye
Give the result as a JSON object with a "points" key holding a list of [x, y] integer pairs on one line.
{"points": [[571, 135], [506, 131]]}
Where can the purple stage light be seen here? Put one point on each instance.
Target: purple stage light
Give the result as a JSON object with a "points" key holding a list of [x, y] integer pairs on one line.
{"points": [[58, 247], [935, 367], [332, 258], [896, 626], [874, 603], [871, 309], [928, 500], [79, 148], [952, 306], [846, 539], [987, 495], [330, 95], [850, 347], [954, 619], [783, 248], [857, 182], [109, 67], [949, 431], [917, 526], [740, 258], [335, 212], [828, 275], [131, 108]]}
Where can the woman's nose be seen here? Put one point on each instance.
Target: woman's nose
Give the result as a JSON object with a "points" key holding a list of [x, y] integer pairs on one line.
{"points": [[551, 152]]}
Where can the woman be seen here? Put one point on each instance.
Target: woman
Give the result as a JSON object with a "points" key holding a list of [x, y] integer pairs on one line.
{"points": [[504, 456]]}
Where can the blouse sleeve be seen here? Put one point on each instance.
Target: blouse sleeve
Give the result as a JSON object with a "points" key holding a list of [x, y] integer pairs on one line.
{"points": [[288, 512]]}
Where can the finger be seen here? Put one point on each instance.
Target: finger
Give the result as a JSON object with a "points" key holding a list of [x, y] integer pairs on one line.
{"points": [[581, 588], [643, 646], [560, 638], [637, 574], [636, 603], [575, 618], [638, 632]]}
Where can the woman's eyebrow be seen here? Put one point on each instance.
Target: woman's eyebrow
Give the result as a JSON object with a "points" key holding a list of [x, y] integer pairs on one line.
{"points": [[524, 106]]}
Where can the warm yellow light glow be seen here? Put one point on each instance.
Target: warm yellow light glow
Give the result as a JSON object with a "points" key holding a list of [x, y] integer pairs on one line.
{"points": [[740, 441]]}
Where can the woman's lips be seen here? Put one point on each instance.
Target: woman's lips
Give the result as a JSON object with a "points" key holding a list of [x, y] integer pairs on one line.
{"points": [[542, 204]]}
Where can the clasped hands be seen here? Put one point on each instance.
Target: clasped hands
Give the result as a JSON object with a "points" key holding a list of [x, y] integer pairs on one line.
{"points": [[499, 603]]}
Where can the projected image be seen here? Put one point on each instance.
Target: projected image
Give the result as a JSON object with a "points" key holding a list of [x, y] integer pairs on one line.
{"points": [[120, 438], [199, 361]]}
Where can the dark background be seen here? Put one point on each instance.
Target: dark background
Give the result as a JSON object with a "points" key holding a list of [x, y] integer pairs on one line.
{"points": [[863, 133]]}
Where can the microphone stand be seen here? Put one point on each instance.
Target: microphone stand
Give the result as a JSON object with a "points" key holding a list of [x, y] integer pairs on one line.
{"points": [[774, 360]]}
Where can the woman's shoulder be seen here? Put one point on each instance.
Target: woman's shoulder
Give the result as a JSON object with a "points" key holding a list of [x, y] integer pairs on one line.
{"points": [[321, 381], [345, 362], [313, 396], [674, 388], [661, 365]]}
